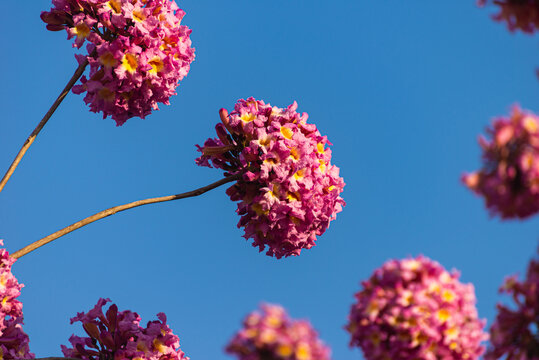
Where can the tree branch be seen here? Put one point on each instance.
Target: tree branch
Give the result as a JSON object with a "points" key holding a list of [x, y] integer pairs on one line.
{"points": [[113, 210], [78, 73]]}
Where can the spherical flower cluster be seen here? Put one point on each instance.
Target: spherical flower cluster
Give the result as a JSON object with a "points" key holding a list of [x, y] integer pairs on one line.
{"points": [[509, 179], [415, 309], [289, 190], [13, 340], [137, 50], [515, 333], [118, 335], [272, 335], [518, 14]]}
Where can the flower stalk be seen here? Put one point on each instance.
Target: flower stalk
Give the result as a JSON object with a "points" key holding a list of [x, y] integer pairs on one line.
{"points": [[119, 208], [78, 73]]}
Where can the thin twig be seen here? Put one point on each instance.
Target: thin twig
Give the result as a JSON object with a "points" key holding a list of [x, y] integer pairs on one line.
{"points": [[113, 210], [78, 73]]}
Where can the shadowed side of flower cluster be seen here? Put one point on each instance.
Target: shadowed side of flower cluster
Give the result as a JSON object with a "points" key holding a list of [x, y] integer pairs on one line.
{"points": [[518, 14], [415, 309], [509, 179], [137, 50], [515, 332], [289, 191], [13, 340], [272, 335], [118, 335]]}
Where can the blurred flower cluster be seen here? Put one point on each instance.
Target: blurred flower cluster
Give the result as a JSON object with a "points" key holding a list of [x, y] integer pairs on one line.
{"points": [[415, 309], [118, 335], [137, 50], [13, 340], [289, 191], [272, 335], [515, 333], [509, 179], [518, 14]]}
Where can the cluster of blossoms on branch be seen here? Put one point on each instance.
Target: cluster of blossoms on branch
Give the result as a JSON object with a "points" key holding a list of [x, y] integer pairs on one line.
{"points": [[272, 335], [13, 340], [289, 190], [118, 335], [415, 309], [515, 332], [137, 50], [509, 179], [518, 14]]}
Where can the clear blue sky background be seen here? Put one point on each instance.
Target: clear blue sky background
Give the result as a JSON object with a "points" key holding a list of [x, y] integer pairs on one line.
{"points": [[402, 89]]}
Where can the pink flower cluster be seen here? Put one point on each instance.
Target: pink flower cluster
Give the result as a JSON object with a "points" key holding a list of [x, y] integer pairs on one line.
{"points": [[118, 335], [515, 333], [13, 340], [289, 190], [415, 309], [509, 179], [137, 50], [272, 335], [518, 14]]}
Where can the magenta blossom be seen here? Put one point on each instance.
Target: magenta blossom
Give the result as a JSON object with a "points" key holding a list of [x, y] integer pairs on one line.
{"points": [[509, 179], [272, 335], [289, 190], [415, 309], [515, 332], [137, 49], [117, 335], [13, 340], [518, 14]]}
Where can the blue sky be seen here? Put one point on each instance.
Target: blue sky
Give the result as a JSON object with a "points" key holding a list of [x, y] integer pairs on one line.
{"points": [[402, 89]]}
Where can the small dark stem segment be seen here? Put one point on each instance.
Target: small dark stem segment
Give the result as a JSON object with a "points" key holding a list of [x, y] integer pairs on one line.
{"points": [[78, 73], [113, 210]]}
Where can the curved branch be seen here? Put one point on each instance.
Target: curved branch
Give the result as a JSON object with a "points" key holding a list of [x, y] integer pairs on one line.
{"points": [[113, 210], [78, 73]]}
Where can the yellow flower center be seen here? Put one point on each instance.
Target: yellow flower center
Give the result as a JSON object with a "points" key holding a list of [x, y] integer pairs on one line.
{"points": [[443, 315], [287, 132], [303, 352], [82, 30], [248, 117], [115, 6], [157, 65], [108, 60], [130, 62], [138, 15], [284, 350]]}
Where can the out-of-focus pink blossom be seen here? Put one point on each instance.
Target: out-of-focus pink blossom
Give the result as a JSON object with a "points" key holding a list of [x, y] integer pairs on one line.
{"points": [[272, 335], [518, 14], [13, 340], [509, 179], [515, 332], [289, 191], [137, 49], [415, 309], [117, 335]]}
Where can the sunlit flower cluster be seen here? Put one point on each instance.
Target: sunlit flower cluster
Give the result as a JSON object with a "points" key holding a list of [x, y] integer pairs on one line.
{"points": [[518, 14], [509, 179], [515, 333], [415, 309], [118, 335], [272, 335], [137, 50], [289, 190], [13, 340]]}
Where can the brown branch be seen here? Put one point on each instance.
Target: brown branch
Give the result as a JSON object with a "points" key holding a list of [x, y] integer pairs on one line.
{"points": [[113, 210], [78, 73]]}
